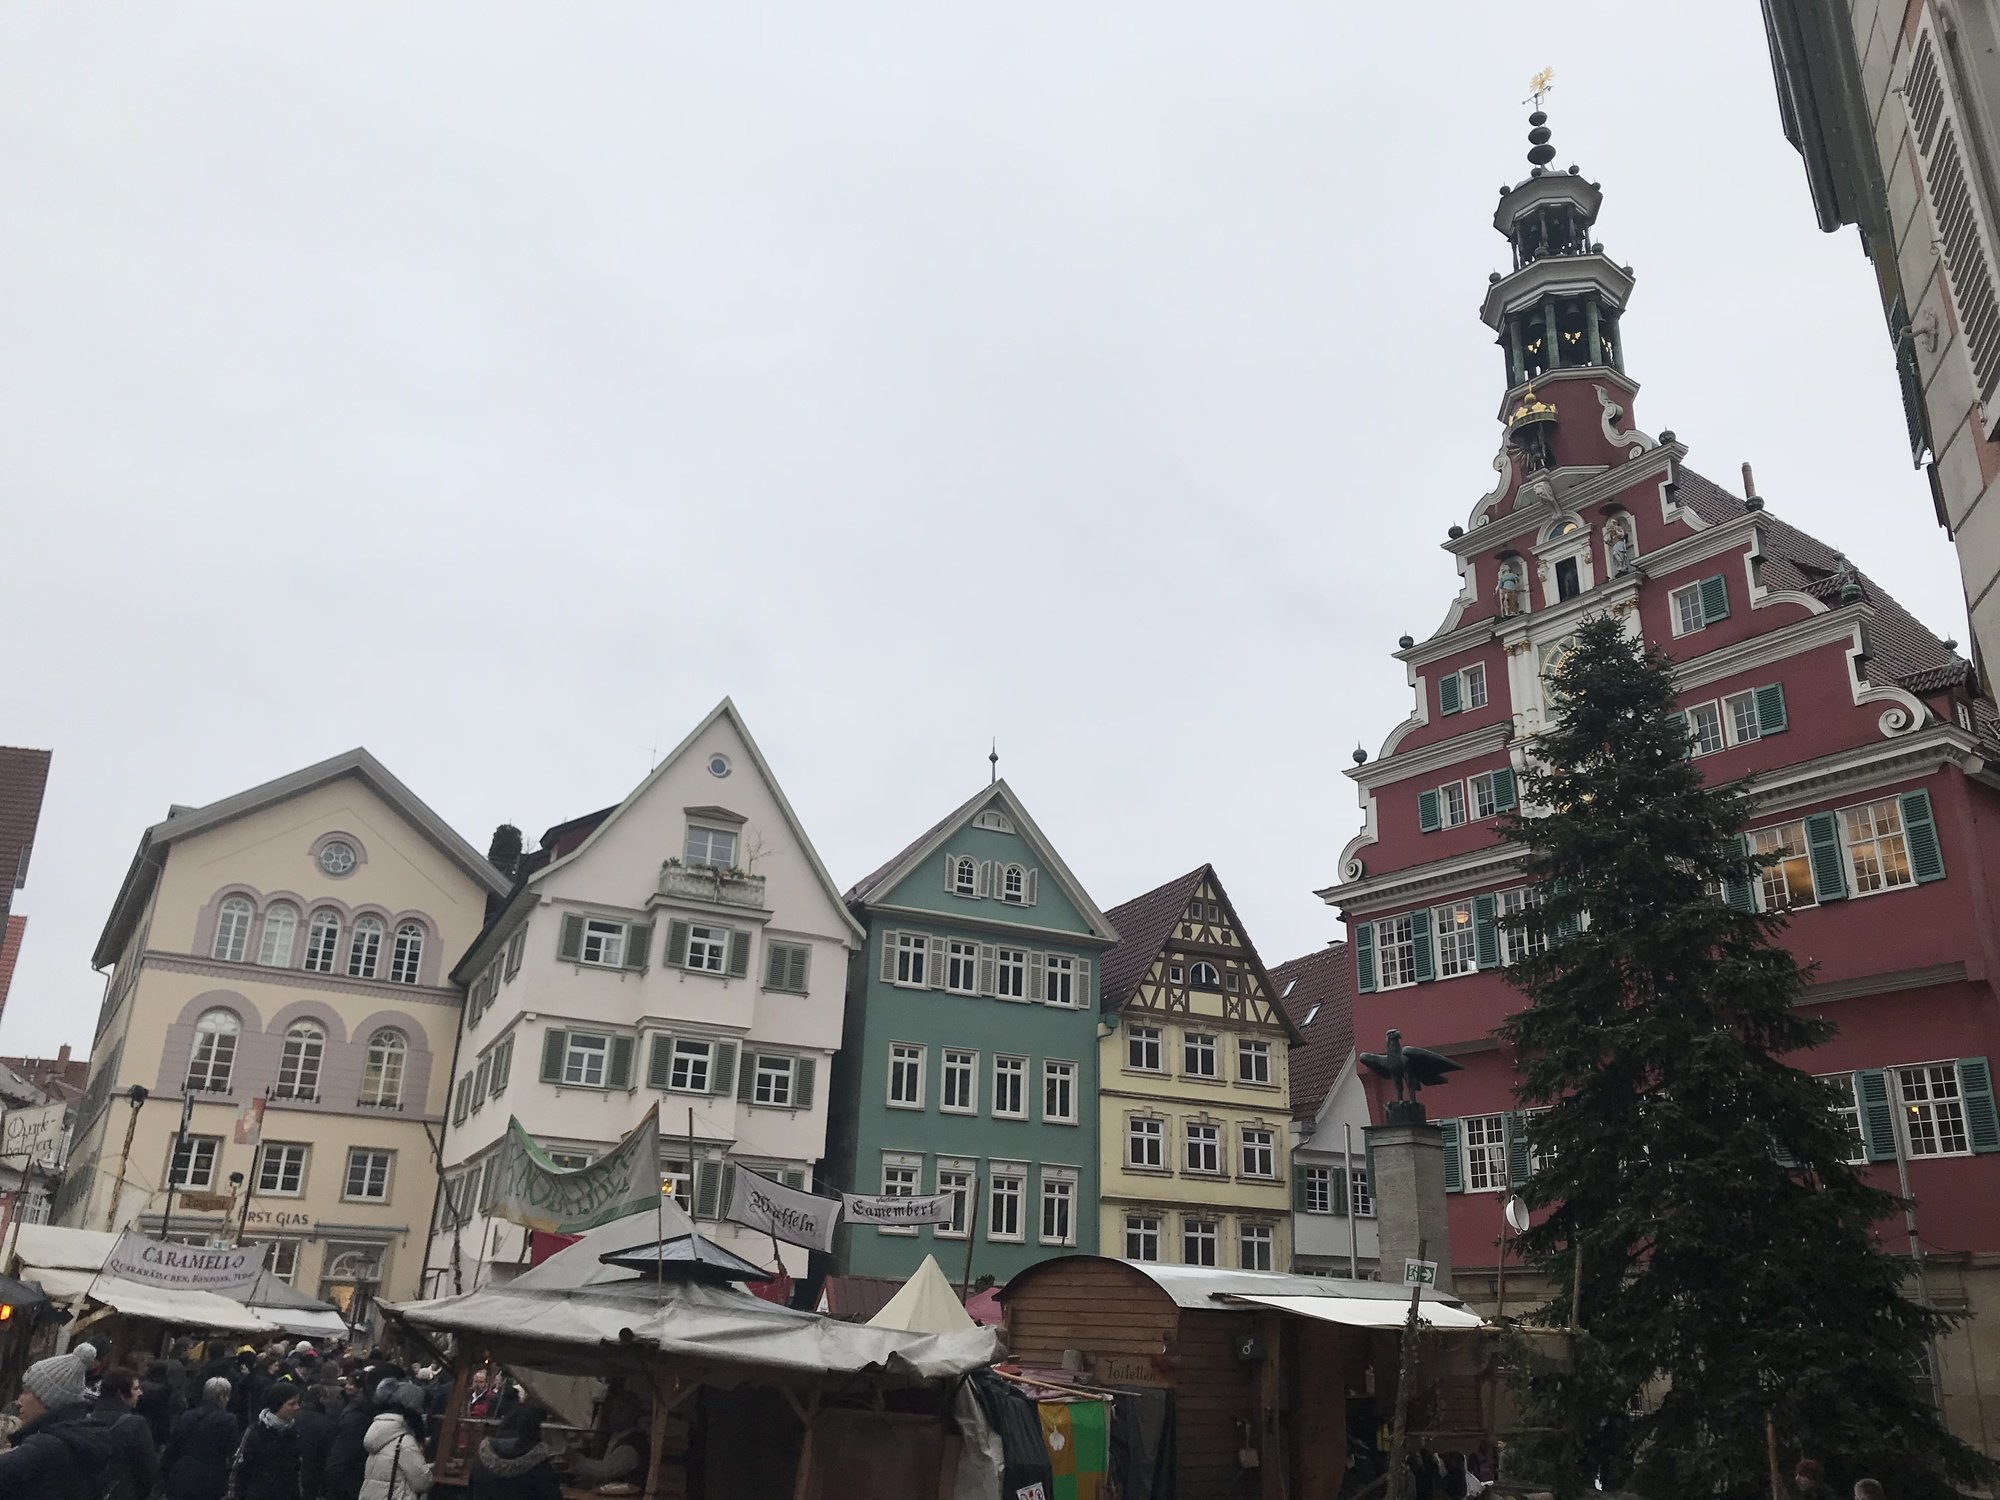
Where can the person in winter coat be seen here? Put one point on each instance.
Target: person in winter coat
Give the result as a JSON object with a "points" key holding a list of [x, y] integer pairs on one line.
{"points": [[135, 1463], [316, 1429], [347, 1455], [395, 1444], [267, 1461], [514, 1464], [197, 1457], [59, 1453]]}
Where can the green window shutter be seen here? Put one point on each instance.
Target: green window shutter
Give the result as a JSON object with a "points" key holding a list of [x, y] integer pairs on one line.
{"points": [[802, 1083], [659, 1060], [514, 946], [1299, 1189], [1428, 820], [1034, 881], [739, 955], [1517, 1148], [1975, 1088], [555, 1042], [1448, 699], [1878, 1120], [746, 1082], [774, 966], [463, 1102], [1420, 928], [618, 1070], [638, 945], [1364, 957], [1920, 836], [1714, 599], [1829, 866], [1454, 1168], [677, 945], [723, 1079], [800, 956], [707, 1188], [1739, 890], [1486, 930], [503, 1064], [1339, 1200], [793, 1177], [571, 946], [1503, 789], [1771, 709], [888, 955]]}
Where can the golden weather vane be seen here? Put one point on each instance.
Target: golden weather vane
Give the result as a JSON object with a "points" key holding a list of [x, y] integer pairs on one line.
{"points": [[1539, 85]]}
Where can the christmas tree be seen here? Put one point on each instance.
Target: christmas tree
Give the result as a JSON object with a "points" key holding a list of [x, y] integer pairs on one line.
{"points": [[1721, 1251]]}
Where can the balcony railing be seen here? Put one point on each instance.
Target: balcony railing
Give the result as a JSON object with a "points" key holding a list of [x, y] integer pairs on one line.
{"points": [[705, 883], [391, 1104]]}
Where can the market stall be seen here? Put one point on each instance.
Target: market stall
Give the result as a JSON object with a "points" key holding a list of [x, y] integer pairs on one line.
{"points": [[121, 1315]]}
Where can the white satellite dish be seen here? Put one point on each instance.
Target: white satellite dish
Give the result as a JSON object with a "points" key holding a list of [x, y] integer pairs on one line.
{"points": [[1516, 1212]]}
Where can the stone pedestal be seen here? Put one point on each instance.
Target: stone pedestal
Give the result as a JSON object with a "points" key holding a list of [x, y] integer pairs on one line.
{"points": [[1408, 1163]]}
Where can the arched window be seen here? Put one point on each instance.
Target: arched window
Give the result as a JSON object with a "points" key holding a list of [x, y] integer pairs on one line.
{"points": [[214, 1055], [323, 940], [388, 1055], [281, 926], [965, 876], [232, 929], [365, 951], [298, 1068], [409, 954], [1014, 884], [1203, 976]]}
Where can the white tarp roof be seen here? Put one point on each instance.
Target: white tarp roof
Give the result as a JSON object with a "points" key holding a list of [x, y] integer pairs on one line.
{"points": [[1201, 1286], [65, 1261], [1365, 1312], [926, 1304]]}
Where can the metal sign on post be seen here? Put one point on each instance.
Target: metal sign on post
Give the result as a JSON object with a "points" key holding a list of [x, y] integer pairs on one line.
{"points": [[1420, 1273]]}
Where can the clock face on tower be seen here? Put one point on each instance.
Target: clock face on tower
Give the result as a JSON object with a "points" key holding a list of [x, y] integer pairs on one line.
{"points": [[1553, 655]]}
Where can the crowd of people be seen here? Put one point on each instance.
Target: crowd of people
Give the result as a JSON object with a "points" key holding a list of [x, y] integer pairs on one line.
{"points": [[288, 1422]]}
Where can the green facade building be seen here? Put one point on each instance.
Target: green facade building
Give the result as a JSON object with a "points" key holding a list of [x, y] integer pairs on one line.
{"points": [[968, 1061]]}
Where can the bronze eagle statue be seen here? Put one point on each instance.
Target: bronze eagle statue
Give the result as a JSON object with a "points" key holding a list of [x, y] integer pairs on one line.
{"points": [[1409, 1068]]}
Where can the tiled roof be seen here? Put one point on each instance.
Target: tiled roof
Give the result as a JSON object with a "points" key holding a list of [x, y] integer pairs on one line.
{"points": [[1321, 986], [12, 929], [861, 888], [1144, 924], [24, 775], [856, 1299]]}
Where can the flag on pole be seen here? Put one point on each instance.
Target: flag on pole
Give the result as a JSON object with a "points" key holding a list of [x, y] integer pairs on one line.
{"points": [[530, 1189], [250, 1123]]}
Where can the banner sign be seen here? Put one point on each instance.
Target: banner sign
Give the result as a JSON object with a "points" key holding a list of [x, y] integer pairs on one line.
{"points": [[184, 1268], [528, 1188], [869, 1208], [36, 1134], [796, 1218], [250, 1123]]}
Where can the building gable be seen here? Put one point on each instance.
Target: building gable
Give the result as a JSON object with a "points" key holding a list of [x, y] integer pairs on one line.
{"points": [[1206, 964]]}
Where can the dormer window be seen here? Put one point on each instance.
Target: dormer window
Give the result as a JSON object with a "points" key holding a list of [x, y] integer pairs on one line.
{"points": [[711, 848], [965, 876]]}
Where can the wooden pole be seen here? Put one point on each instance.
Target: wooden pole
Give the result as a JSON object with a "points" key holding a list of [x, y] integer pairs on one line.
{"points": [[1399, 1433], [1771, 1438], [1575, 1285], [971, 1232]]}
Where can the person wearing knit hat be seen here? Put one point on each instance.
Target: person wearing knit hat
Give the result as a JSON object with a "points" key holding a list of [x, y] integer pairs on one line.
{"points": [[59, 1453], [268, 1465]]}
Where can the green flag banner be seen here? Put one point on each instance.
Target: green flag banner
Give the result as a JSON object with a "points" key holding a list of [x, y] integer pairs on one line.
{"points": [[528, 1188]]}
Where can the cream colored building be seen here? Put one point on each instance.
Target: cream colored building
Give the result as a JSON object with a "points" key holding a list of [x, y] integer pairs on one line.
{"points": [[289, 949]]}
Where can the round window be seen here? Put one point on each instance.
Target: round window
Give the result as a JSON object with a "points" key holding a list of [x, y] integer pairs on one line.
{"points": [[718, 765], [337, 857]]}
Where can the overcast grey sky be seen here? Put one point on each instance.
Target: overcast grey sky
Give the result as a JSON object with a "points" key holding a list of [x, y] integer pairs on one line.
{"points": [[500, 385]]}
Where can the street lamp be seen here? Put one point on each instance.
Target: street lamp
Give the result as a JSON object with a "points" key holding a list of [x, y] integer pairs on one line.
{"points": [[136, 1097], [239, 1187]]}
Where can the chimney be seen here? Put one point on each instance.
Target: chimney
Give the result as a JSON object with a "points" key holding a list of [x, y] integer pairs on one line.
{"points": [[62, 1055]]}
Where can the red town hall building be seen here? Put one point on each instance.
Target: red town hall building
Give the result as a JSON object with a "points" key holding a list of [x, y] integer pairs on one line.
{"points": [[1864, 739]]}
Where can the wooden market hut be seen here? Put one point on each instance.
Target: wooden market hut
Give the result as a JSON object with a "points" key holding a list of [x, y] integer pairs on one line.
{"points": [[1266, 1370]]}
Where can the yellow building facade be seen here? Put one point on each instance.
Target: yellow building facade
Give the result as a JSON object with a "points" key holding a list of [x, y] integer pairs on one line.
{"points": [[1193, 1086]]}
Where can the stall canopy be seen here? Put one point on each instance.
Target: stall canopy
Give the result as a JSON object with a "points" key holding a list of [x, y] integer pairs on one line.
{"points": [[573, 1309], [1364, 1312], [66, 1264], [295, 1312], [926, 1304]]}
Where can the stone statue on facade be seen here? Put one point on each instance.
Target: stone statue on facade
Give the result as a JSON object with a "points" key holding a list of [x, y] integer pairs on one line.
{"points": [[1618, 546], [1410, 1069], [1513, 587]]}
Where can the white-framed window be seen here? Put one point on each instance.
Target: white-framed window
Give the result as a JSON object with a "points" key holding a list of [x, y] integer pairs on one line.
{"points": [[1788, 883], [1198, 1054], [1704, 724], [1451, 804], [1059, 979], [1878, 857], [1485, 794], [959, 1082], [281, 1258], [1142, 1237], [1395, 952], [1515, 946], [1011, 982], [1472, 686], [1316, 1189], [232, 929], [1003, 1202], [193, 1162], [406, 959], [603, 943], [691, 1065], [1455, 940], [906, 1075], [1175, 975], [364, 948], [367, 1175], [913, 950], [901, 1173], [711, 848], [1253, 1061], [1485, 1138], [388, 1061], [281, 926], [955, 1177], [212, 1061], [1058, 1092], [1058, 1207], [585, 1055], [1014, 885], [1255, 1245], [1359, 1195], [1142, 1049], [1204, 976], [1846, 1106], [961, 974], [1686, 606], [1198, 1242], [965, 876], [708, 948], [772, 1082], [322, 941], [1933, 1111], [1202, 1148], [1145, 1143], [1232, 981], [281, 1168], [1010, 1088], [1739, 714], [1258, 1156], [299, 1063]]}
